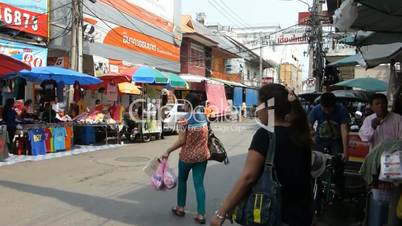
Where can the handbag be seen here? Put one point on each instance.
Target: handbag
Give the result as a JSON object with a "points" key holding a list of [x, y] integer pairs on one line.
{"points": [[262, 206], [399, 208], [216, 149]]}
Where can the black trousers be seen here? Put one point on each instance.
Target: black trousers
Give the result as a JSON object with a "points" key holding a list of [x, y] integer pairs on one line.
{"points": [[10, 144]]}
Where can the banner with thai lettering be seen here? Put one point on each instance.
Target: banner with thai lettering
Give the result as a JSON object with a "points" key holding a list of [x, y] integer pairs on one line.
{"points": [[154, 12], [122, 37], [292, 36], [30, 16], [33, 55]]}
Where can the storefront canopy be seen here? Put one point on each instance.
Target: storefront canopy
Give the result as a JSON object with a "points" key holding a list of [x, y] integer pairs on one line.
{"points": [[229, 83], [369, 84], [375, 55], [10, 65], [176, 81], [146, 74], [69, 77]]}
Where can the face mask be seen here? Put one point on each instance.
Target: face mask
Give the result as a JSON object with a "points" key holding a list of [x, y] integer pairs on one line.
{"points": [[268, 106]]}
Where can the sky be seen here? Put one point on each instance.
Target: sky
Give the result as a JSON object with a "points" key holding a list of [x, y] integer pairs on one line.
{"points": [[242, 13]]}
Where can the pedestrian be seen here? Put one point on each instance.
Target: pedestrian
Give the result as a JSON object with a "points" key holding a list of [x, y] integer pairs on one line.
{"points": [[193, 141], [331, 135], [9, 117], [382, 124], [292, 160]]}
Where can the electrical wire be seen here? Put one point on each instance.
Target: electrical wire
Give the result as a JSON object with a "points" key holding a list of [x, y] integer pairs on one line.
{"points": [[227, 16], [230, 12]]}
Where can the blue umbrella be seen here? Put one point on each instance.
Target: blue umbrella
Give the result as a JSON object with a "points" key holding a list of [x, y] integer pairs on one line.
{"points": [[69, 77]]}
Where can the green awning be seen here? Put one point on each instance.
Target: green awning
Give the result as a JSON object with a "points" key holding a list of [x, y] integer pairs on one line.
{"points": [[364, 38], [369, 84], [352, 60], [175, 81]]}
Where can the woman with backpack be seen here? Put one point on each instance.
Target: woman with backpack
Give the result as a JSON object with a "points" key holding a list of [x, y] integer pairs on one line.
{"points": [[194, 154], [291, 164]]}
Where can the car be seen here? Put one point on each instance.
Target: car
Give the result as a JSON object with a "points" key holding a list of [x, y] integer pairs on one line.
{"points": [[173, 112]]}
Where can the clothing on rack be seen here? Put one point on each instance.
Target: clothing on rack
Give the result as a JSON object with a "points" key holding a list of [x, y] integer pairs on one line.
{"points": [[60, 91], [37, 139], [59, 136], [19, 88], [111, 92], [49, 140], [77, 92], [69, 138], [48, 90]]}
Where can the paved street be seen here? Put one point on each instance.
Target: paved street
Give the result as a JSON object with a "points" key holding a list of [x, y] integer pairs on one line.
{"points": [[109, 187]]}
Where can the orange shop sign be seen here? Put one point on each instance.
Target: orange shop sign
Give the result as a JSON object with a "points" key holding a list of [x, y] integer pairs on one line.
{"points": [[136, 41]]}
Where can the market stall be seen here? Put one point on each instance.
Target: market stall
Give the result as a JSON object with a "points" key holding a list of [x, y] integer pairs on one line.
{"points": [[49, 129]]}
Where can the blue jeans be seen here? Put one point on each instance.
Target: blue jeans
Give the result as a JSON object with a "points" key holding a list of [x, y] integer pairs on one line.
{"points": [[198, 178]]}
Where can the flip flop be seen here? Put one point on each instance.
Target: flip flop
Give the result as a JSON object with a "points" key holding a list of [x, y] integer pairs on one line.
{"points": [[178, 213], [200, 220]]}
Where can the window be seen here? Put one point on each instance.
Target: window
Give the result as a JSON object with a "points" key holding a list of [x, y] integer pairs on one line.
{"points": [[197, 55]]}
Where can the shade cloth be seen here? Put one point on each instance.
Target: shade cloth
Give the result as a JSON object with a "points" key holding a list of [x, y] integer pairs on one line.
{"points": [[217, 98], [69, 77], [237, 96], [251, 97], [116, 78]]}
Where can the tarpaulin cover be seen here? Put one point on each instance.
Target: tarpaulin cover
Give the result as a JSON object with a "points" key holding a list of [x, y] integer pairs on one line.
{"points": [[237, 96], [251, 97], [217, 98]]}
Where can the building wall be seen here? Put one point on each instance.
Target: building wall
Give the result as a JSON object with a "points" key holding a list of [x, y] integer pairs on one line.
{"points": [[380, 72], [290, 76], [218, 67], [189, 64]]}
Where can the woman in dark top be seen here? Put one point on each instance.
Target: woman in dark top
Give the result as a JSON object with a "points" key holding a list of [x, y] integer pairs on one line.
{"points": [[9, 117], [292, 158]]}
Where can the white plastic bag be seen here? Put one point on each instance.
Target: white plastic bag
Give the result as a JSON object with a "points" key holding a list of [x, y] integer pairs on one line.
{"points": [[169, 178], [151, 166], [391, 168]]}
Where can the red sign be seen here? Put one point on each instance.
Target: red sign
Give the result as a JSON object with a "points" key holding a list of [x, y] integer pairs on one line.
{"points": [[305, 16], [24, 20]]}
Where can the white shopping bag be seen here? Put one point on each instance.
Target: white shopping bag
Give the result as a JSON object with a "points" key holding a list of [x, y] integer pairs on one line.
{"points": [[151, 166], [391, 168]]}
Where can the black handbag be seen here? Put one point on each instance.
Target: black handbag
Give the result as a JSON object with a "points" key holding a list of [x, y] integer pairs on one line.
{"points": [[262, 205], [216, 148]]}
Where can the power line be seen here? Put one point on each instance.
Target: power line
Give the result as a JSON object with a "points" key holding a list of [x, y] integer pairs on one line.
{"points": [[227, 16], [234, 13]]}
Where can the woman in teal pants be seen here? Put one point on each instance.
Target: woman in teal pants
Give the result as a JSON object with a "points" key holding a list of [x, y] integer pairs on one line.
{"points": [[194, 154]]}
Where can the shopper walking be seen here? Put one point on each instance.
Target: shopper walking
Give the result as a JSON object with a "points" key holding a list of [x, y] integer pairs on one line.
{"points": [[193, 141], [292, 161]]}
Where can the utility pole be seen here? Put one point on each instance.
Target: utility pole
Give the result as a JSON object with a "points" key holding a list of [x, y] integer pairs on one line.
{"points": [[261, 59], [316, 61], [76, 56]]}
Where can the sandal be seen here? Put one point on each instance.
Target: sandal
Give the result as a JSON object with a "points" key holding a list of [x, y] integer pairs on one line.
{"points": [[178, 213], [200, 220]]}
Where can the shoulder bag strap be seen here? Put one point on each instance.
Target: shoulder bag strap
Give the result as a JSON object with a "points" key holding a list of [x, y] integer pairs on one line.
{"points": [[270, 157]]}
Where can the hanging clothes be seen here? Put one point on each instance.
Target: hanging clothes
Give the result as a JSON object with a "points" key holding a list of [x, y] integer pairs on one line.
{"points": [[19, 88], [69, 138], [59, 136], [77, 92], [60, 91], [48, 90], [111, 92], [37, 140], [116, 111], [49, 140]]}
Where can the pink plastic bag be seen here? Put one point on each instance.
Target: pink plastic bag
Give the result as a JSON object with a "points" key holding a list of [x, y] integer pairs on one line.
{"points": [[157, 177], [164, 177]]}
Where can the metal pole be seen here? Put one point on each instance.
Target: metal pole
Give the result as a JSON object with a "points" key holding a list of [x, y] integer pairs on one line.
{"points": [[261, 60], [74, 34], [80, 37]]}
